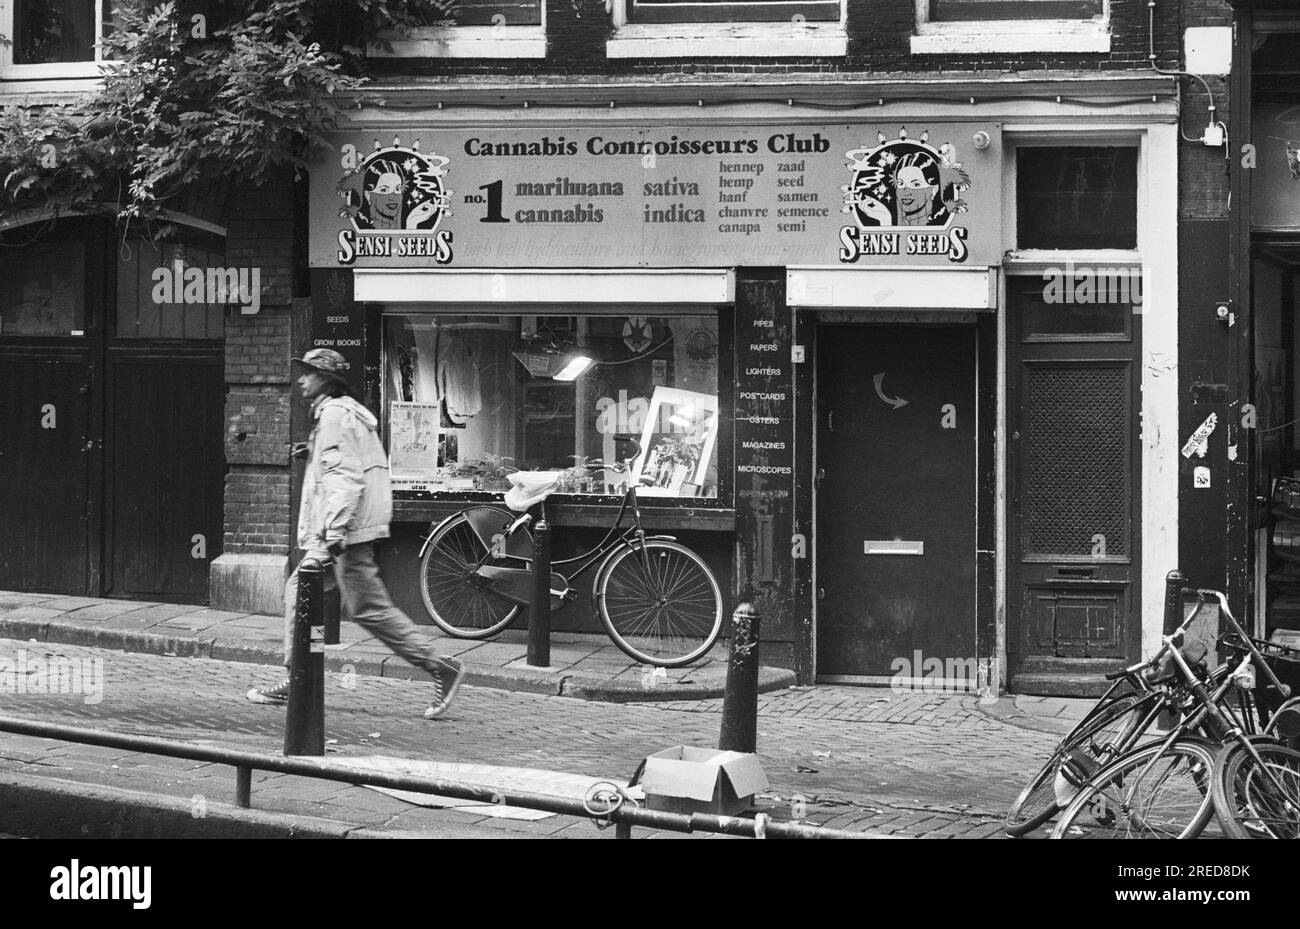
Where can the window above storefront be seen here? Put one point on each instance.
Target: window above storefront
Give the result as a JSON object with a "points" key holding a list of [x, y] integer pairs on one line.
{"points": [[1071, 197], [607, 399], [478, 29], [53, 38], [955, 27], [723, 28]]}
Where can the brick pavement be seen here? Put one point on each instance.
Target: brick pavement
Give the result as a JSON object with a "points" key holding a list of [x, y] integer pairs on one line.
{"points": [[588, 666], [924, 764]]}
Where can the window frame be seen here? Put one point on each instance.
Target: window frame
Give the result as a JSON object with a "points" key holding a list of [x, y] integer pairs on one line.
{"points": [[55, 70], [719, 38], [1020, 263], [505, 41], [964, 37]]}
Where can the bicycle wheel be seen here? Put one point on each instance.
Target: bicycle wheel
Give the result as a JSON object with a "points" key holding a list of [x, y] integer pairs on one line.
{"points": [[1257, 801], [1103, 736], [660, 603], [1155, 792], [459, 608]]}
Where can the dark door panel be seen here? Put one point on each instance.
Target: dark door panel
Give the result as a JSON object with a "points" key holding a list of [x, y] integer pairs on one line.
{"points": [[45, 451], [166, 468], [1074, 475], [895, 542]]}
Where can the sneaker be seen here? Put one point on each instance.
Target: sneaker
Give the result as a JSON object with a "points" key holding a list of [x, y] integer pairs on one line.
{"points": [[446, 681], [277, 695]]}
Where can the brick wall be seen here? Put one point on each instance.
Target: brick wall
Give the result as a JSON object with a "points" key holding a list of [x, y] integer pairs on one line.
{"points": [[878, 33], [1202, 171], [257, 513]]}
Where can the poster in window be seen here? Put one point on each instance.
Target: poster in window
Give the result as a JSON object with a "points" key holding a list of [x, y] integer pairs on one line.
{"points": [[681, 427], [413, 439]]}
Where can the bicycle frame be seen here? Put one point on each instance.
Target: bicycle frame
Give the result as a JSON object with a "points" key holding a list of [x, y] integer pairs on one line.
{"points": [[500, 580]]}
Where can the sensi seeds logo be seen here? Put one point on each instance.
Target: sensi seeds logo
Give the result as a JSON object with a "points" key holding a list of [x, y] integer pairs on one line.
{"points": [[901, 189], [395, 200]]}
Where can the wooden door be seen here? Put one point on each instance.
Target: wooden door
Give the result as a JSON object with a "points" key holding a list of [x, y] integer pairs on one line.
{"points": [[47, 448], [165, 466], [896, 500], [1074, 486]]}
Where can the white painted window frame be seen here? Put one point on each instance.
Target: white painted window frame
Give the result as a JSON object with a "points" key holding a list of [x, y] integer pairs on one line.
{"points": [[62, 72], [1009, 36], [499, 41], [724, 39]]}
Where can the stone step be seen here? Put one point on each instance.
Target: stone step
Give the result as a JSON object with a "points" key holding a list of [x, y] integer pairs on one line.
{"points": [[1059, 684]]}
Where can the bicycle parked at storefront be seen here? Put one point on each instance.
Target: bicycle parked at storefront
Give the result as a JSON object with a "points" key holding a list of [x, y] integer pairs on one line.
{"points": [[657, 599], [1120, 774]]}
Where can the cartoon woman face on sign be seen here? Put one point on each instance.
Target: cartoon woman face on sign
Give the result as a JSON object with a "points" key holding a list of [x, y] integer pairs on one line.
{"points": [[916, 182], [383, 193]]}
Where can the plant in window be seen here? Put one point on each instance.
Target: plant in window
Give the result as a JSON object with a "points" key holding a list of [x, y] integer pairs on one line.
{"points": [[491, 472], [197, 90]]}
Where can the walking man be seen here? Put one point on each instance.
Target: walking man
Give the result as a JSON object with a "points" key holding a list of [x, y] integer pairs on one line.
{"points": [[347, 503]]}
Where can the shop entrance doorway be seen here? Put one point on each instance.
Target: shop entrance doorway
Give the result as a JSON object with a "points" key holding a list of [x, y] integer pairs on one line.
{"points": [[112, 461], [896, 503]]}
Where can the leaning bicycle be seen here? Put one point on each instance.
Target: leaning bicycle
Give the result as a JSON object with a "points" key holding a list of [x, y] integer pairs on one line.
{"points": [[657, 599]]}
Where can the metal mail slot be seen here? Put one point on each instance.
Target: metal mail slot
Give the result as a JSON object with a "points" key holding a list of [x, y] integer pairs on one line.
{"points": [[892, 547]]}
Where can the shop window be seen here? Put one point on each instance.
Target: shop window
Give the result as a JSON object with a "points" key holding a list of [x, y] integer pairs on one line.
{"points": [[999, 10], [469, 398], [175, 291], [1076, 197], [46, 32], [43, 289]]}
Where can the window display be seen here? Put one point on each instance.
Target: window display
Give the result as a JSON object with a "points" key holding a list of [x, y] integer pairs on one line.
{"points": [[471, 398]]}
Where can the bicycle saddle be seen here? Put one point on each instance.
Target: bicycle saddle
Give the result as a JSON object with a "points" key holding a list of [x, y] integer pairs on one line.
{"points": [[1165, 670], [529, 488]]}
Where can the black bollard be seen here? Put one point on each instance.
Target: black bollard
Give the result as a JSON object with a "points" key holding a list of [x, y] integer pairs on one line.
{"points": [[539, 615], [304, 723], [1174, 582], [333, 603], [740, 699]]}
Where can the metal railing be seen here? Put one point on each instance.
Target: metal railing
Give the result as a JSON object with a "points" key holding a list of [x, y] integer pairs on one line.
{"points": [[622, 814]]}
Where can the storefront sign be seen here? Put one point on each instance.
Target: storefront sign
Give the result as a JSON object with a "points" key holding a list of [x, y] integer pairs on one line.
{"points": [[663, 197]]}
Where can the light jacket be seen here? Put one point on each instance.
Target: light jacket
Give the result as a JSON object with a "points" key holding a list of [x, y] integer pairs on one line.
{"points": [[346, 493]]}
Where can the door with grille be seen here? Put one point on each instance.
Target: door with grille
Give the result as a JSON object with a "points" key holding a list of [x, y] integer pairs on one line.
{"points": [[1074, 480]]}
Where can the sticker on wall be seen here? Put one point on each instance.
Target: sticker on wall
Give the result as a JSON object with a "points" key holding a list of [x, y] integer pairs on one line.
{"points": [[904, 197], [1199, 443], [1201, 477], [395, 200]]}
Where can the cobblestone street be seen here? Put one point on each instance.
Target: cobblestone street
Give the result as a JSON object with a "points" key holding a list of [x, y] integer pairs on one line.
{"points": [[920, 764]]}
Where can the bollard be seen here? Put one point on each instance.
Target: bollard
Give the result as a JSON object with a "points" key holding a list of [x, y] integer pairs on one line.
{"points": [[333, 604], [1174, 582], [304, 724], [539, 616], [740, 699]]}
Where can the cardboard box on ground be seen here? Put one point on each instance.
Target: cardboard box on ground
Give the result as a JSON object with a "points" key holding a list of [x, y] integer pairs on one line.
{"points": [[684, 779]]}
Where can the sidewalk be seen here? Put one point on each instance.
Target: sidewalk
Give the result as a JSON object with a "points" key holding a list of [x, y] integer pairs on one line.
{"points": [[589, 667]]}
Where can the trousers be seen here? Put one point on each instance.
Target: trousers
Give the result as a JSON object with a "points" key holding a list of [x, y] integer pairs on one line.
{"points": [[364, 599]]}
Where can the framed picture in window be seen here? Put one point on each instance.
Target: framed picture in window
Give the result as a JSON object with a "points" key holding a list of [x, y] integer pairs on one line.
{"points": [[681, 427]]}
